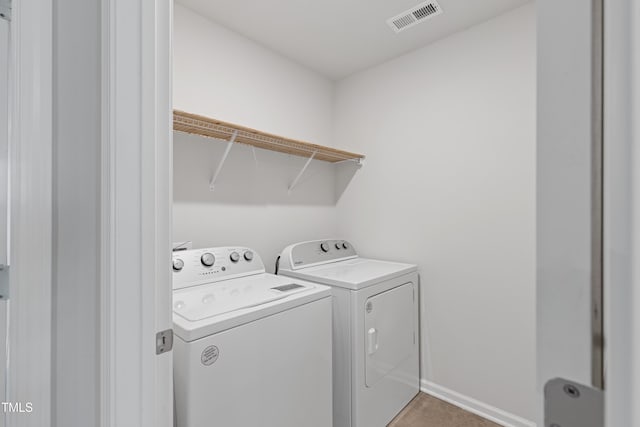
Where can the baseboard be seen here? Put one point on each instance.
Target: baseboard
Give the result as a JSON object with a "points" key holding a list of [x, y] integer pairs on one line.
{"points": [[469, 404]]}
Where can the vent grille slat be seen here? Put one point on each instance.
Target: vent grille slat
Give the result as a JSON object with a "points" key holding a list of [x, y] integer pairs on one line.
{"points": [[423, 12], [414, 16], [403, 21]]}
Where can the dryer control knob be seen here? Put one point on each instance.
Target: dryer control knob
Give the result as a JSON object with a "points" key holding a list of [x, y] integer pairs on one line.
{"points": [[178, 264], [207, 259], [248, 255], [324, 246], [345, 245], [234, 257], [338, 247]]}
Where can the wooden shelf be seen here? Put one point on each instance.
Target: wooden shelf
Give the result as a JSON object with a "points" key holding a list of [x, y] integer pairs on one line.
{"points": [[205, 126]]}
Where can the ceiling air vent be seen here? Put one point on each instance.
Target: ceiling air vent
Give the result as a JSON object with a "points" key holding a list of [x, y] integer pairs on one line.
{"points": [[415, 15]]}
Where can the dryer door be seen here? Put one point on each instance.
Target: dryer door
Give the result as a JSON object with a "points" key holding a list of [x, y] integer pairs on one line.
{"points": [[389, 331]]}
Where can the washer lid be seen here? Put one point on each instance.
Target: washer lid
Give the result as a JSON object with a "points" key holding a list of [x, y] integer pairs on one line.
{"points": [[356, 273], [216, 299], [203, 310]]}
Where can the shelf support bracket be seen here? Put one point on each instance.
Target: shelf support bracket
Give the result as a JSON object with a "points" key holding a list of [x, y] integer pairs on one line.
{"points": [[304, 168], [212, 183]]}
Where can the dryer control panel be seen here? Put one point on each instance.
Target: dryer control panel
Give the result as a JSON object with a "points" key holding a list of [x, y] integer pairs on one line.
{"points": [[198, 266], [307, 254]]}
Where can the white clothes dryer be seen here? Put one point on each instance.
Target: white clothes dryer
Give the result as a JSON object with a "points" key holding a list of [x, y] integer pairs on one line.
{"points": [[375, 328], [250, 348]]}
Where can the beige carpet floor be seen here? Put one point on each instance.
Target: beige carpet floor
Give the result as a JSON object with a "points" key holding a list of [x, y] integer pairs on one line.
{"points": [[427, 411]]}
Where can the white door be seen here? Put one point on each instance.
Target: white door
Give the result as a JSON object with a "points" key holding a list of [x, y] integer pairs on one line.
{"points": [[389, 331], [569, 196], [588, 199], [28, 381], [621, 211], [4, 205]]}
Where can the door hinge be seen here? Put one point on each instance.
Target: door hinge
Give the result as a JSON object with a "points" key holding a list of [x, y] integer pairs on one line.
{"points": [[5, 9], [4, 282], [569, 404], [164, 341]]}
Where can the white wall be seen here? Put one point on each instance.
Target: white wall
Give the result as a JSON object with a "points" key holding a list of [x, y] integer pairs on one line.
{"points": [[220, 74], [449, 184]]}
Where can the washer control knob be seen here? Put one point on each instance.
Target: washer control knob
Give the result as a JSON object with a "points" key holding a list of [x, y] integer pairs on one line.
{"points": [[178, 264], [324, 246], [207, 259], [234, 257], [338, 246], [345, 245], [248, 255]]}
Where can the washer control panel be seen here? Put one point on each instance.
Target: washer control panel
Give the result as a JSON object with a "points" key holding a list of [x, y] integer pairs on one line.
{"points": [[306, 254], [198, 266]]}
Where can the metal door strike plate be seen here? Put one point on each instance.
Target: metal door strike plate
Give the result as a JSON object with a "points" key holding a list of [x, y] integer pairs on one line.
{"points": [[164, 341], [569, 404], [4, 282]]}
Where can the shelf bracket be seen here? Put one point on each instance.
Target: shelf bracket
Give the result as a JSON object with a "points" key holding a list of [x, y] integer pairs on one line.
{"points": [[212, 183], [358, 161], [255, 156], [304, 168]]}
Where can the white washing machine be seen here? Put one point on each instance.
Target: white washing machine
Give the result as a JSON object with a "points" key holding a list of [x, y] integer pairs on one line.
{"points": [[375, 328], [250, 348]]}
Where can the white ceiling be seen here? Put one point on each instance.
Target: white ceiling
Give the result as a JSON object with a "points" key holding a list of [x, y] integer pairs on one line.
{"points": [[339, 37]]}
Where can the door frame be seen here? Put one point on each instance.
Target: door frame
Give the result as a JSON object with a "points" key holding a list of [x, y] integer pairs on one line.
{"points": [[136, 384], [30, 145], [621, 207]]}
